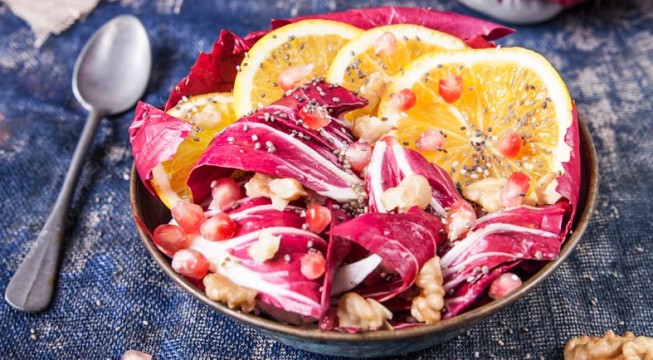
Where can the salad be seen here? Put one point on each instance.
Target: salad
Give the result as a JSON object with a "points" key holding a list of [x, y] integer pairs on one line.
{"points": [[362, 170]]}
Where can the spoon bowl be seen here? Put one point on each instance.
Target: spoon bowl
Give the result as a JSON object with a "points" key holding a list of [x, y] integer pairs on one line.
{"points": [[108, 78]]}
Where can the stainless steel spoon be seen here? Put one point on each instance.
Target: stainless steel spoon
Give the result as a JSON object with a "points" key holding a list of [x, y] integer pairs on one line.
{"points": [[110, 75]]}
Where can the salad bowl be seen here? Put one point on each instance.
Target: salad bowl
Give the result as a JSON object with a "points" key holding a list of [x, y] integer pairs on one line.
{"points": [[149, 212]]}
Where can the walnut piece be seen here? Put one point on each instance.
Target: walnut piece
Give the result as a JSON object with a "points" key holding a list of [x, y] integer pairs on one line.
{"points": [[258, 185], [427, 306], [545, 190], [219, 288], [354, 311], [413, 190], [265, 247], [370, 128], [280, 191], [287, 189], [610, 347], [486, 193], [373, 91]]}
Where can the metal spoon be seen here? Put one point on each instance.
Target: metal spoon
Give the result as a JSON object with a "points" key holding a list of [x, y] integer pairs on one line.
{"points": [[110, 75]]}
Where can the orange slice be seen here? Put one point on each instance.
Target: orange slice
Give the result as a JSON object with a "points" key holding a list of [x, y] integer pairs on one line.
{"points": [[310, 43], [209, 113], [503, 90], [369, 61]]}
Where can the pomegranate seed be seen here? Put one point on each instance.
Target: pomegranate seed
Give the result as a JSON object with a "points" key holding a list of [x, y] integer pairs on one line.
{"points": [[169, 238], [358, 154], [385, 44], [515, 189], [460, 218], [290, 78], [315, 117], [191, 263], [219, 227], [431, 140], [403, 100], [509, 144], [189, 216], [313, 265], [225, 192], [451, 88], [504, 285], [265, 247], [318, 218]]}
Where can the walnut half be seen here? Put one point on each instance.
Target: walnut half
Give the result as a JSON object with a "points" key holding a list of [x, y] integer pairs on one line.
{"points": [[413, 190], [610, 347], [427, 305], [354, 311], [220, 288]]}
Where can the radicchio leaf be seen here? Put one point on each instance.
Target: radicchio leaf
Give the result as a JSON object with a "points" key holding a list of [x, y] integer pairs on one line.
{"points": [[154, 137], [404, 242], [468, 294], [273, 141], [279, 280], [337, 251], [497, 240], [476, 32], [253, 214], [214, 71], [391, 162], [570, 181]]}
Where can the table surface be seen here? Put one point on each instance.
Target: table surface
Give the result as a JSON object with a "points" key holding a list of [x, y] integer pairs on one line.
{"points": [[111, 295]]}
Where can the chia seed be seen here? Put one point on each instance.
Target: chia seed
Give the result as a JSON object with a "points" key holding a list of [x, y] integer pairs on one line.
{"points": [[594, 301]]}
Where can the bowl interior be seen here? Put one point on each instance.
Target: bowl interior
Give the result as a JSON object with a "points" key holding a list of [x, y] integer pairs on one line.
{"points": [[150, 212]]}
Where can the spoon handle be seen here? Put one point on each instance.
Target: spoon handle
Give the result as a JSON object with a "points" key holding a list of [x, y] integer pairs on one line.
{"points": [[32, 286]]}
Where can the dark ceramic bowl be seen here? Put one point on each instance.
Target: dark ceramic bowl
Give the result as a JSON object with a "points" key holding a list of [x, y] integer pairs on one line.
{"points": [[149, 212]]}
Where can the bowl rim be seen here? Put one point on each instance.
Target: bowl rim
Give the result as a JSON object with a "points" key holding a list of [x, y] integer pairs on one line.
{"points": [[446, 326]]}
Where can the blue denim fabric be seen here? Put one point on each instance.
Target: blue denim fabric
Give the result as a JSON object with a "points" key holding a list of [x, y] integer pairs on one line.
{"points": [[111, 295]]}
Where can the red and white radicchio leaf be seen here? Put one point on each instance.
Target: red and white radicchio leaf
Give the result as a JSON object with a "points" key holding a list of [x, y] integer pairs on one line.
{"points": [[253, 214], [154, 137], [477, 33], [214, 71], [279, 280], [391, 162], [273, 141], [337, 251], [403, 241], [497, 243]]}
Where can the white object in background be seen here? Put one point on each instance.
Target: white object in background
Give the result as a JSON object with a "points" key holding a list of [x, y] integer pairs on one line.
{"points": [[47, 17], [519, 12]]}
